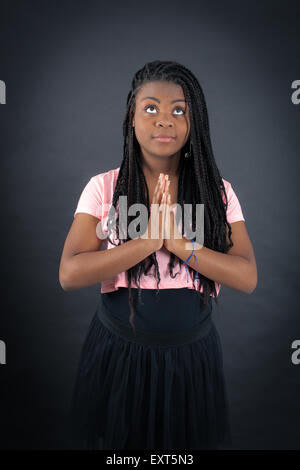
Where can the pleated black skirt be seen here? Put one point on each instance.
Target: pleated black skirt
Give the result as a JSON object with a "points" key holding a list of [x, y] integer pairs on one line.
{"points": [[161, 388]]}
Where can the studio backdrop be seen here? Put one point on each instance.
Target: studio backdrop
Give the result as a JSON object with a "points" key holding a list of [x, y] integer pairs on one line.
{"points": [[65, 72]]}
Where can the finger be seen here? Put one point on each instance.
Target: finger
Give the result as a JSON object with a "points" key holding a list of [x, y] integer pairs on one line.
{"points": [[166, 191], [161, 190], [161, 179], [168, 187], [165, 231], [166, 179], [157, 191], [162, 204]]}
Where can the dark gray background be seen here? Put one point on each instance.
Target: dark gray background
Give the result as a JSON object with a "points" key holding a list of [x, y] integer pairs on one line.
{"points": [[68, 66]]}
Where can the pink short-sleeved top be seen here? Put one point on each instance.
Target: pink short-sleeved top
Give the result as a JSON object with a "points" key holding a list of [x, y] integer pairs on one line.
{"points": [[96, 199]]}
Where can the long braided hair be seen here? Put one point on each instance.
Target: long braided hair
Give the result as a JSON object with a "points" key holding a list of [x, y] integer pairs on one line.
{"points": [[199, 181]]}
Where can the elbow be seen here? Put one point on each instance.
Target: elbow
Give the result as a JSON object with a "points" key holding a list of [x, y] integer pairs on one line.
{"points": [[251, 282], [65, 281], [248, 277], [250, 290], [64, 284]]}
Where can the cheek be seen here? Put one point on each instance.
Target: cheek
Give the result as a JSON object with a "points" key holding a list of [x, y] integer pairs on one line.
{"points": [[141, 133], [183, 132], [142, 122]]}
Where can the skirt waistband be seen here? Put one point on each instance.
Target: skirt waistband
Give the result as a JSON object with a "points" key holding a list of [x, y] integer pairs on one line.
{"points": [[114, 325]]}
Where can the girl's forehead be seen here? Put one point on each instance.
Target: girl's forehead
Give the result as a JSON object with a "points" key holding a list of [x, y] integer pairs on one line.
{"points": [[161, 90]]}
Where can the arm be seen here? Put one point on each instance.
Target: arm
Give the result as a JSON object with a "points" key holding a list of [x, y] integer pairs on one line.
{"points": [[236, 269], [82, 264]]}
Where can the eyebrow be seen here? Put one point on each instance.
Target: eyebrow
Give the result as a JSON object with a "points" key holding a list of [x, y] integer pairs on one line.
{"points": [[156, 99]]}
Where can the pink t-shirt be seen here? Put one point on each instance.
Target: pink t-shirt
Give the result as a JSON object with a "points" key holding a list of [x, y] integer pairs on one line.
{"points": [[96, 199]]}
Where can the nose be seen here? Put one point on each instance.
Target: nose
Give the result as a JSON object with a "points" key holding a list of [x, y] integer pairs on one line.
{"points": [[165, 122]]}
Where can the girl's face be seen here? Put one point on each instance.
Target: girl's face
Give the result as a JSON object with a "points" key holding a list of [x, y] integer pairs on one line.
{"points": [[161, 109]]}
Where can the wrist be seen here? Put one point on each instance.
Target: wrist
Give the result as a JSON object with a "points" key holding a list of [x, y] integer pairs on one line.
{"points": [[150, 244], [174, 245]]}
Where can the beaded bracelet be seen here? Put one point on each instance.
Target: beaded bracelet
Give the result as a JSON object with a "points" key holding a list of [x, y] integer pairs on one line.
{"points": [[185, 262]]}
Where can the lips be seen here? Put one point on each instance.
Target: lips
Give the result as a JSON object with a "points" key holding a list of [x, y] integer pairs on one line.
{"points": [[164, 138]]}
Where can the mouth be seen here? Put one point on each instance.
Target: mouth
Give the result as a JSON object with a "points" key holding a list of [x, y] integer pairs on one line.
{"points": [[164, 138]]}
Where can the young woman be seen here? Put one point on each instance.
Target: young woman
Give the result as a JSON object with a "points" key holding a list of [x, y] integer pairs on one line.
{"points": [[151, 370]]}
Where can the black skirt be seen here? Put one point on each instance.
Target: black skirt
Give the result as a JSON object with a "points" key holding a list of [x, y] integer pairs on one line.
{"points": [[159, 388]]}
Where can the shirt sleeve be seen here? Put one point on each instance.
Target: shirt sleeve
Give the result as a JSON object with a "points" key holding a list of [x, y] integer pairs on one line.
{"points": [[234, 210], [90, 200]]}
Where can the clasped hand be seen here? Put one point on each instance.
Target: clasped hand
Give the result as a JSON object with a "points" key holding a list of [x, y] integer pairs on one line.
{"points": [[162, 213]]}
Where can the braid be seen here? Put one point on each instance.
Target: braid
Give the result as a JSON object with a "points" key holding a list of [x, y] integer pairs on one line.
{"points": [[199, 180]]}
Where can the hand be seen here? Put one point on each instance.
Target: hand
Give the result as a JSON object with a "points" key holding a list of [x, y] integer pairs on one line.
{"points": [[172, 235], [157, 215]]}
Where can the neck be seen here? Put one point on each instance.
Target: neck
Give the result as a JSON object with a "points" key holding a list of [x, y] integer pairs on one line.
{"points": [[169, 167]]}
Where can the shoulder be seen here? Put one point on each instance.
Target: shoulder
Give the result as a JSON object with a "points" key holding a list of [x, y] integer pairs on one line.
{"points": [[234, 209], [104, 182], [97, 192], [109, 174], [99, 187], [228, 188], [227, 185], [106, 177]]}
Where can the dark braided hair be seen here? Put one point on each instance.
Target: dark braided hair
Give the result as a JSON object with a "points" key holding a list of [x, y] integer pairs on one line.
{"points": [[199, 181]]}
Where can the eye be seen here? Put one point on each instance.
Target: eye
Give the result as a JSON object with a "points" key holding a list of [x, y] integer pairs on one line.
{"points": [[149, 106], [177, 107], [181, 109]]}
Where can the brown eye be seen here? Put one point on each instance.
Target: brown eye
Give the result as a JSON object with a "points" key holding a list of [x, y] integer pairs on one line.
{"points": [[177, 108], [150, 106], [181, 109]]}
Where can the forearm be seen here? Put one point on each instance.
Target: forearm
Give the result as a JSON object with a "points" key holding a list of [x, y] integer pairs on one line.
{"points": [[93, 267], [232, 271]]}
